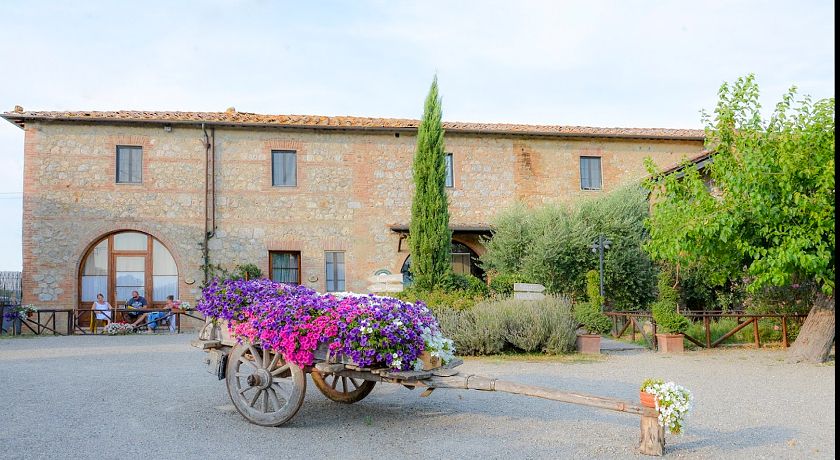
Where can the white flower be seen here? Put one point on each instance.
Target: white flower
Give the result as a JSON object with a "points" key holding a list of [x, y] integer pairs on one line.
{"points": [[673, 402]]}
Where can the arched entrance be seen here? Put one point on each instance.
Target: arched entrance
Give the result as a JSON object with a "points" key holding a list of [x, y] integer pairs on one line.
{"points": [[127, 261], [464, 262]]}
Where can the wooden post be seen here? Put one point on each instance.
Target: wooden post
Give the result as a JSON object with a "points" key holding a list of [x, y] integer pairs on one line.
{"points": [[755, 333], [784, 332], [653, 339], [708, 326], [652, 441]]}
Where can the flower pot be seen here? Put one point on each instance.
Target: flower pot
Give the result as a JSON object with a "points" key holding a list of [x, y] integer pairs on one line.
{"points": [[589, 344], [670, 343], [647, 399]]}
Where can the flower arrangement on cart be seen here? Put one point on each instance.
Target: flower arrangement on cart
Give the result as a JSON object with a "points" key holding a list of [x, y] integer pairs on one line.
{"points": [[297, 322]]}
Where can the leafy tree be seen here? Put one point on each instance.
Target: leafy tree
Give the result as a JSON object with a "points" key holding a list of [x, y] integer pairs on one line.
{"points": [[430, 237], [551, 245], [771, 205]]}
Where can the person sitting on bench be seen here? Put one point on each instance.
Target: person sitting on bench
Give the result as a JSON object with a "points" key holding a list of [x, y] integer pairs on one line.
{"points": [[136, 301], [102, 308], [153, 317]]}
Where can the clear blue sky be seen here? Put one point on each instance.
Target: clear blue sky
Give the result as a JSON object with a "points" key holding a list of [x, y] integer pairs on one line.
{"points": [[594, 63]]}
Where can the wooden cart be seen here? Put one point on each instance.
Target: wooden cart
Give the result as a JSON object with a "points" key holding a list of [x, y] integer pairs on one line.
{"points": [[269, 391]]}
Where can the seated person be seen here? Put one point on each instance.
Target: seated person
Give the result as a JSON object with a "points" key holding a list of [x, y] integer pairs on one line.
{"points": [[155, 316], [136, 301], [102, 308]]}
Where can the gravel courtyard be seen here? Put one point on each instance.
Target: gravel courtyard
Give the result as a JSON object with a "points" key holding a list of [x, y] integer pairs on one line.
{"points": [[150, 396]]}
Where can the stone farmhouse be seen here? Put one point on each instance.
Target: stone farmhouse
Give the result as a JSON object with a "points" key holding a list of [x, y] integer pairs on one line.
{"points": [[129, 200]]}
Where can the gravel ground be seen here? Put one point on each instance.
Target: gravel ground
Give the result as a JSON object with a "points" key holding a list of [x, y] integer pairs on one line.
{"points": [[150, 396]]}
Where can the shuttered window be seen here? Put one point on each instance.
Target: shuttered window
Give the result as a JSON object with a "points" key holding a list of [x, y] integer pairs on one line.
{"points": [[283, 168], [129, 165], [335, 271], [590, 173]]}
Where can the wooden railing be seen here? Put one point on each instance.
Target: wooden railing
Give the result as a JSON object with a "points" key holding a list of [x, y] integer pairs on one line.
{"points": [[635, 322], [80, 320]]}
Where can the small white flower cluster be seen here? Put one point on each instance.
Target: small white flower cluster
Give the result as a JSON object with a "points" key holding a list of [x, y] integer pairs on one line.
{"points": [[673, 402], [119, 328], [438, 346], [397, 362]]}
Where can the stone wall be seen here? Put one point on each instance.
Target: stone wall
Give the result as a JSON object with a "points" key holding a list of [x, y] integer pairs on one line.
{"points": [[352, 186]]}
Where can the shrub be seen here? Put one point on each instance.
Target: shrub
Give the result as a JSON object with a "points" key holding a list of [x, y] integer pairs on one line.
{"points": [[468, 284], [668, 319], [589, 314], [511, 325], [551, 246], [474, 332], [664, 310], [592, 319], [502, 284], [438, 300], [593, 289]]}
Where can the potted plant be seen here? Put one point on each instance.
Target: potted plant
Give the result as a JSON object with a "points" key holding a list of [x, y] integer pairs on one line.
{"points": [[589, 315], [673, 402], [670, 323]]}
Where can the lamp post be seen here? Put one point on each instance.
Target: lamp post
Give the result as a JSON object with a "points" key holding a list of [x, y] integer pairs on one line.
{"points": [[598, 247]]}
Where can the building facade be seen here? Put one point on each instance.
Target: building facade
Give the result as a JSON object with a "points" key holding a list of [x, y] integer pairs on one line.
{"points": [[122, 201]]}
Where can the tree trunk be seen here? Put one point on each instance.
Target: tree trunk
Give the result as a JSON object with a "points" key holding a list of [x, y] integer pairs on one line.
{"points": [[817, 334]]}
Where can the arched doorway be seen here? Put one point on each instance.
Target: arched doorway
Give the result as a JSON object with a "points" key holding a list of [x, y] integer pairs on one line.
{"points": [[128, 261], [464, 262]]}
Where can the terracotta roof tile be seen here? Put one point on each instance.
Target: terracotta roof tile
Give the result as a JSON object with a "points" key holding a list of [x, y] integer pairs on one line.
{"points": [[232, 117]]}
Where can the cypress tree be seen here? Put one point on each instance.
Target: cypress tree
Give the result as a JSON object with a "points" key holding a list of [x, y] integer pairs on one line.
{"points": [[429, 235]]}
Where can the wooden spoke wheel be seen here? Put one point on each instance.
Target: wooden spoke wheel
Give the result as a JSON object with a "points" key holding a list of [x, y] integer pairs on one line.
{"points": [[342, 389], [264, 388]]}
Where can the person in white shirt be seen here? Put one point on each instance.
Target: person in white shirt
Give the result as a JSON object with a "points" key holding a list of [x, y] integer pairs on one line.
{"points": [[103, 308]]}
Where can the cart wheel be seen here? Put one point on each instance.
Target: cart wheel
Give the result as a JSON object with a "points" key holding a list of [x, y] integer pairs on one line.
{"points": [[264, 388], [342, 389]]}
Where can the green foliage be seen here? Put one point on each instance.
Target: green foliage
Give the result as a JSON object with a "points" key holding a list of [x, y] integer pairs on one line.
{"points": [[246, 271], [665, 287], [492, 327], [769, 330], [593, 289], [551, 246], [430, 237], [468, 284], [592, 318], [439, 300], [797, 298], [216, 271], [649, 383], [502, 284], [664, 310], [668, 319], [771, 207]]}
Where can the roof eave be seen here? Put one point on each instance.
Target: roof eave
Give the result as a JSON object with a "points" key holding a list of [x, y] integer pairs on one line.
{"points": [[20, 121]]}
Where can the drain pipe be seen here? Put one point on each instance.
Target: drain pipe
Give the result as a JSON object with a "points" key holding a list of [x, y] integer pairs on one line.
{"points": [[209, 196]]}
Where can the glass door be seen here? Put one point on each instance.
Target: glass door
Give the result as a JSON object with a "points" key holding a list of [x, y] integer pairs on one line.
{"points": [[130, 276]]}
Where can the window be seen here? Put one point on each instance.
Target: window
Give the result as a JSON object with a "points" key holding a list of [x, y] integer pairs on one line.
{"points": [[464, 261], [590, 173], [450, 181], [461, 259], [127, 261], [164, 273], [283, 168], [285, 267], [335, 271], [129, 165]]}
